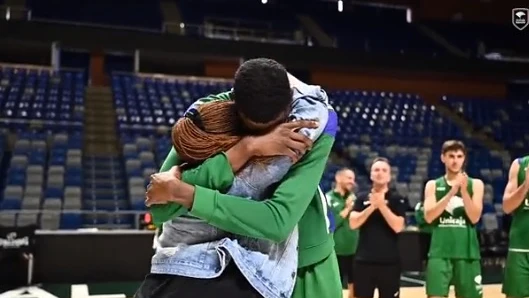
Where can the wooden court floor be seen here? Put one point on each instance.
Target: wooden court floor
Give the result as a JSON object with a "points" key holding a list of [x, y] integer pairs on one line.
{"points": [[489, 291]]}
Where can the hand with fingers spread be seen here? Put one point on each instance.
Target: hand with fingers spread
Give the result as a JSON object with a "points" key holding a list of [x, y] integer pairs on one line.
{"points": [[163, 187], [284, 140]]}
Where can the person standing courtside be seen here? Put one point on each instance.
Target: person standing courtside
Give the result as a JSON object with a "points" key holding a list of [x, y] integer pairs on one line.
{"points": [[380, 216], [453, 205], [516, 202], [341, 200]]}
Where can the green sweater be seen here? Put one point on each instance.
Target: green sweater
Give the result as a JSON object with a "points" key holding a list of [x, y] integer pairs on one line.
{"points": [[272, 219]]}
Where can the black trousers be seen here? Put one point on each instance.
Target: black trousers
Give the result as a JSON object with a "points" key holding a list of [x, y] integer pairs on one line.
{"points": [[230, 284], [346, 265], [371, 276]]}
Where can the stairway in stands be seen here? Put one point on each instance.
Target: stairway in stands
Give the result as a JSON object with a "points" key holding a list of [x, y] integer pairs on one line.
{"points": [[104, 187]]}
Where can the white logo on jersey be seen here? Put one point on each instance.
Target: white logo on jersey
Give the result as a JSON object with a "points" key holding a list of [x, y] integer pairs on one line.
{"points": [[452, 222]]}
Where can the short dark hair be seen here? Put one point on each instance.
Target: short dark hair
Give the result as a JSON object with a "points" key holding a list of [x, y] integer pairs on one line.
{"points": [[261, 90], [453, 145], [382, 159]]}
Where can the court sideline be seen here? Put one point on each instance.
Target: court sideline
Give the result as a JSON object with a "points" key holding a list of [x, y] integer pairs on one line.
{"points": [[418, 291]]}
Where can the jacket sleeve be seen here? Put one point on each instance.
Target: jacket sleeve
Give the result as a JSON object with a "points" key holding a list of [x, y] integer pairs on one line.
{"points": [[276, 217]]}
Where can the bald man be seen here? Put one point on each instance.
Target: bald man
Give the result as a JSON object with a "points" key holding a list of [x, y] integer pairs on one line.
{"points": [[341, 200]]}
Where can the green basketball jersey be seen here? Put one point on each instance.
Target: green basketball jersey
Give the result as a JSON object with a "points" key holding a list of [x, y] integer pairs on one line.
{"points": [[518, 239], [453, 235]]}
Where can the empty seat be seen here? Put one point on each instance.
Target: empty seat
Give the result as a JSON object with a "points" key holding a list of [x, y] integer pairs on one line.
{"points": [[137, 194], [130, 151], [55, 181], [490, 221], [52, 204], [33, 180], [13, 192], [70, 221], [7, 219], [35, 169], [136, 182], [143, 144], [56, 171], [22, 146], [49, 221], [19, 161], [147, 172], [72, 198], [33, 190], [31, 202], [25, 218], [73, 161], [74, 153], [38, 145]]}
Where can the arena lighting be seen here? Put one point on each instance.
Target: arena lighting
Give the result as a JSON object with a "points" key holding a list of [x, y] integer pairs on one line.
{"points": [[340, 5], [409, 15], [264, 1]]}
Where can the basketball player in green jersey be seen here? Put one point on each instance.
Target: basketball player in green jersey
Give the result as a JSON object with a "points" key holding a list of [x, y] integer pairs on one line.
{"points": [[516, 202], [341, 200], [453, 205]]}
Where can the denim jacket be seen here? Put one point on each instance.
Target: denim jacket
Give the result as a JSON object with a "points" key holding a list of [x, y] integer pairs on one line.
{"points": [[190, 247]]}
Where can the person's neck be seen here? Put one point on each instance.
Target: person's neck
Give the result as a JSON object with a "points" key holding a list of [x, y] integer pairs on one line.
{"points": [[450, 176], [340, 190], [380, 187]]}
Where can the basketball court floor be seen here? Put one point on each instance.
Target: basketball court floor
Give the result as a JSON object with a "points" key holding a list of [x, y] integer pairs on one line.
{"points": [[489, 291], [412, 285]]}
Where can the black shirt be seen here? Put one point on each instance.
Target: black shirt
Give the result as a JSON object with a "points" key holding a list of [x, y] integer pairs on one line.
{"points": [[378, 243]]}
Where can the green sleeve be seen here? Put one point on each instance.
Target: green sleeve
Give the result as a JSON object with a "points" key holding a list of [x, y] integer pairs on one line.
{"points": [[335, 209], [204, 175], [216, 172], [280, 213], [170, 161]]}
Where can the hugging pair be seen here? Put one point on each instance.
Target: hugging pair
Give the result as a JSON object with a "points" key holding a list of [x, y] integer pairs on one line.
{"points": [[237, 199]]}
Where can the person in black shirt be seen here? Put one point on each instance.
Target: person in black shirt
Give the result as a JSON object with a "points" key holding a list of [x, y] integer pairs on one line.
{"points": [[379, 215]]}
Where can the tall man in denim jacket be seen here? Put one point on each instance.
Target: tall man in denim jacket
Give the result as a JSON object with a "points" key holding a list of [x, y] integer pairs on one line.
{"points": [[265, 264]]}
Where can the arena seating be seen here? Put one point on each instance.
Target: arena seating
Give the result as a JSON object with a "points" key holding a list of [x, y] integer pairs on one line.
{"points": [[399, 126], [133, 14], [42, 114], [505, 120], [45, 168]]}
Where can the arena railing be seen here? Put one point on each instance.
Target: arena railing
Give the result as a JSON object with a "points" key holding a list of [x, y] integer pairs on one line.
{"points": [[11, 12], [97, 25], [216, 31], [107, 218], [173, 78]]}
